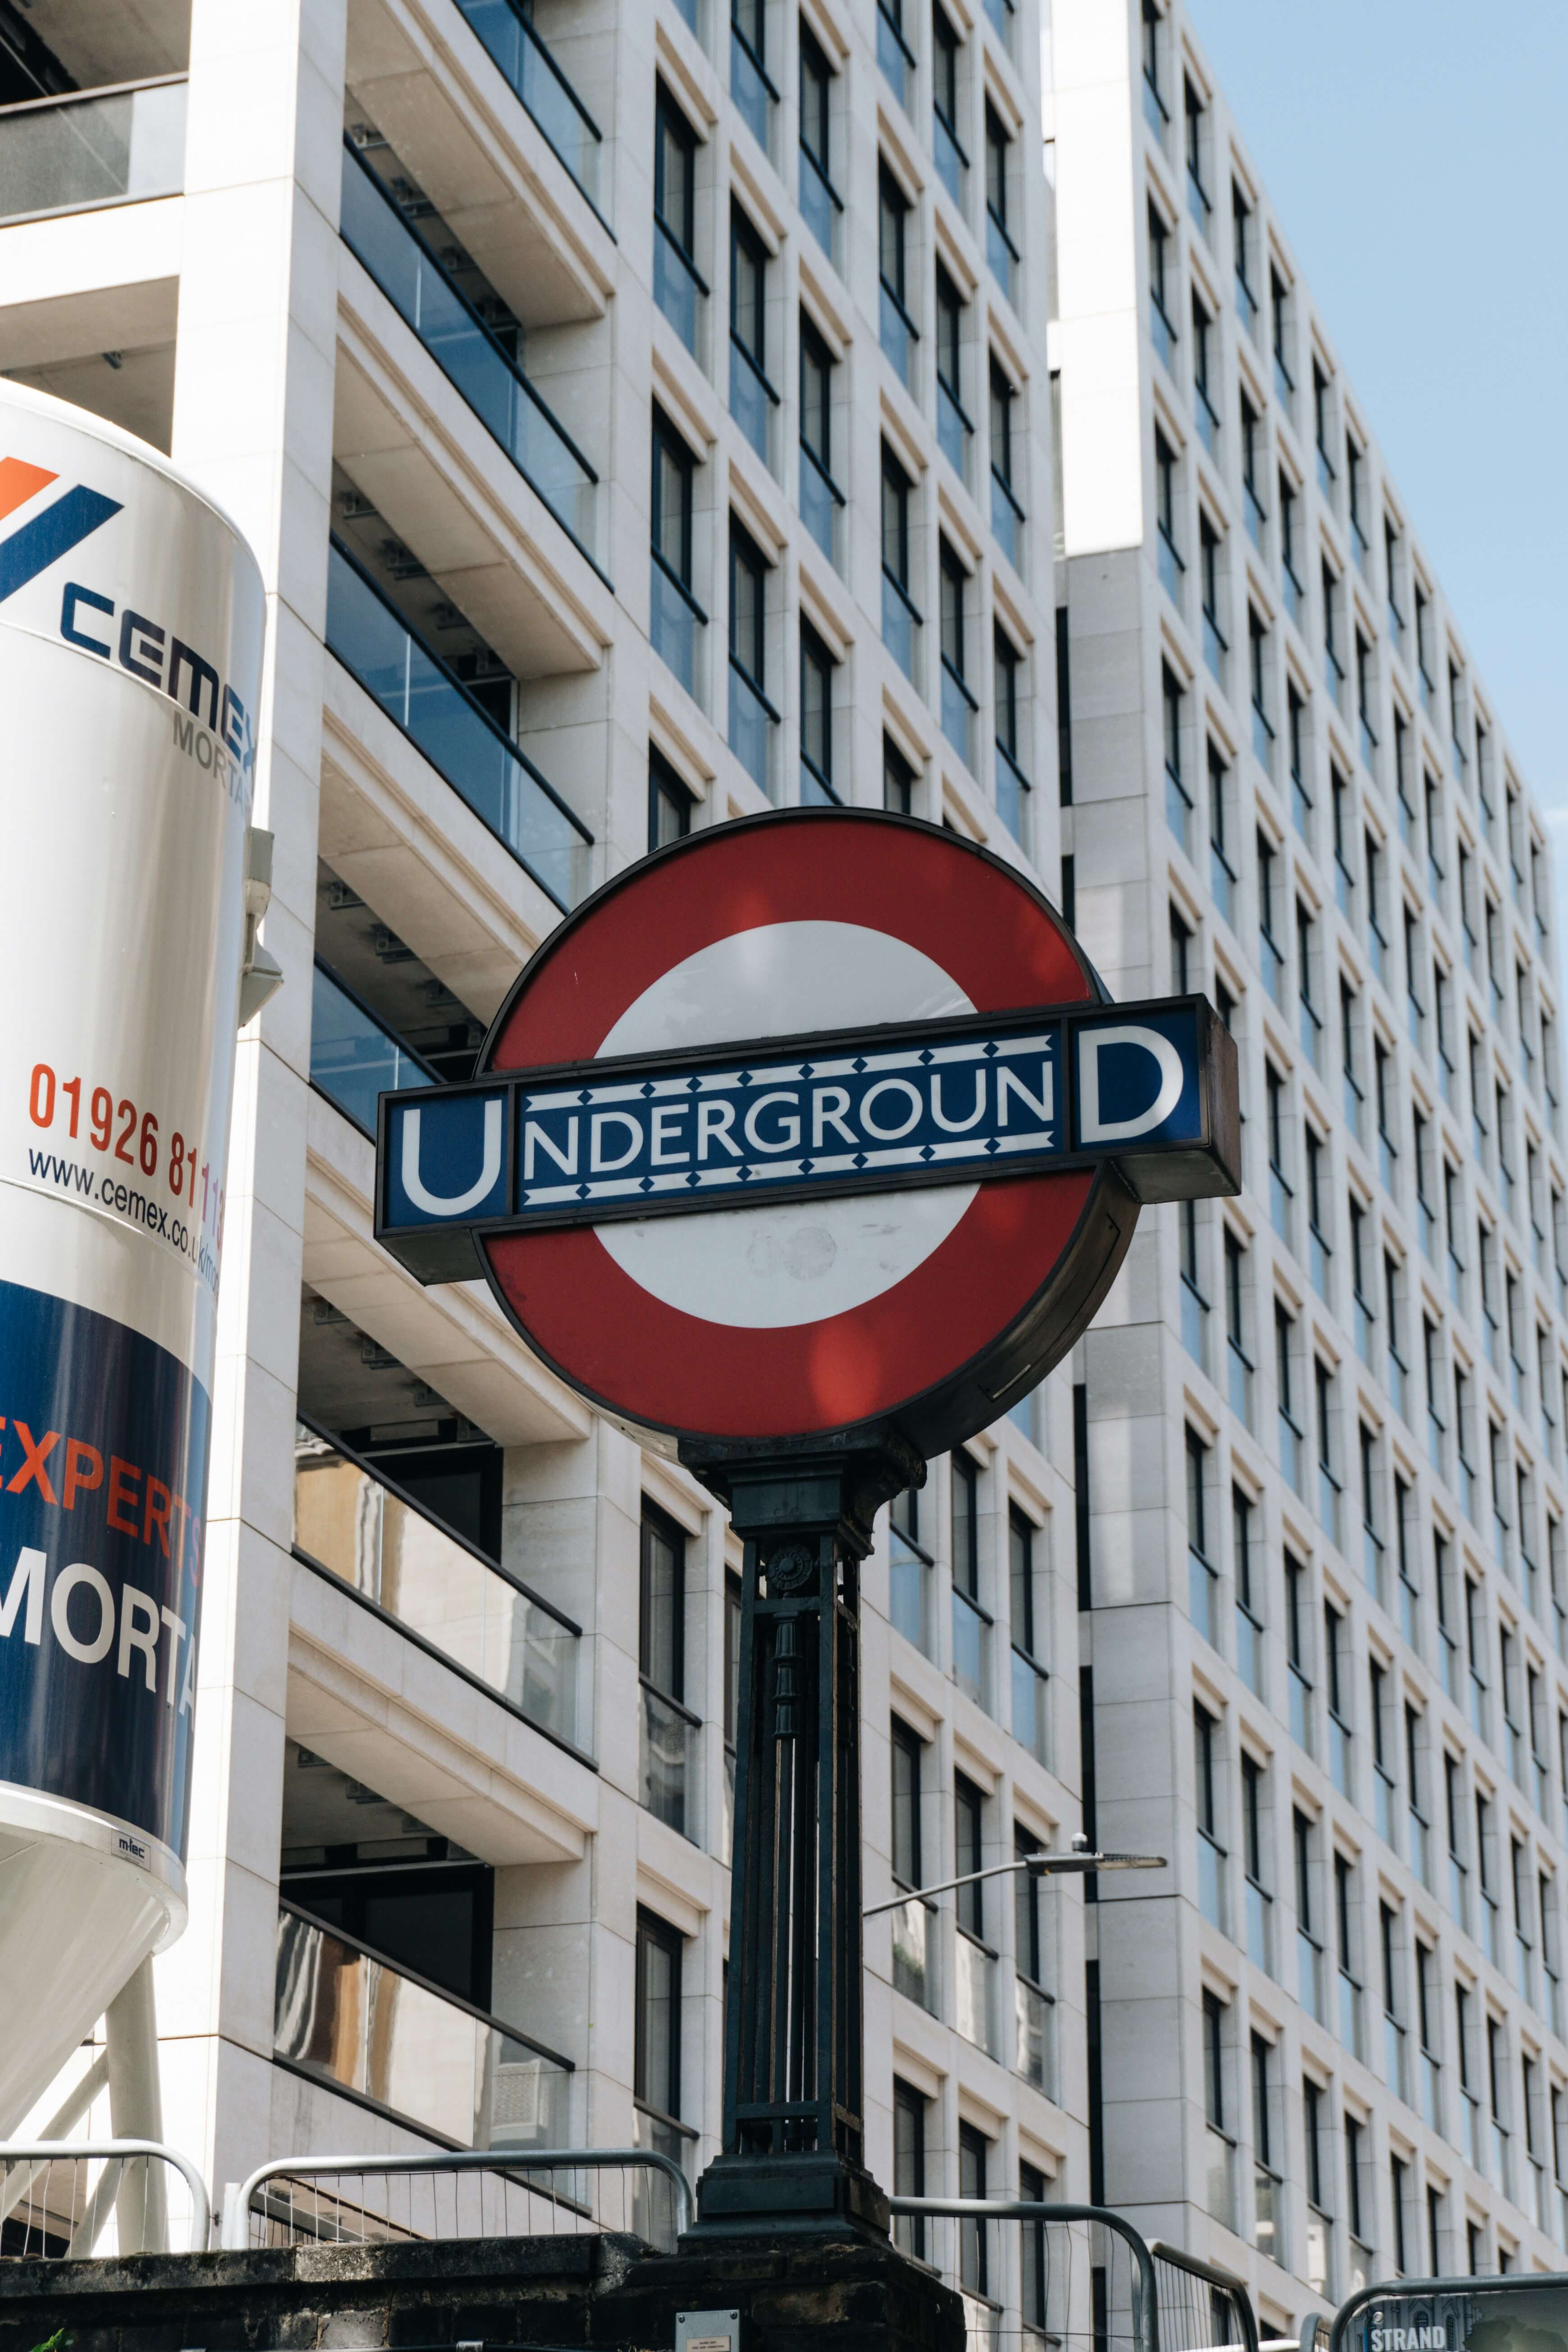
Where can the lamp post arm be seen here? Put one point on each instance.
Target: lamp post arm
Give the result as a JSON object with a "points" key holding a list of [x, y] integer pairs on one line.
{"points": [[1038, 1866]]}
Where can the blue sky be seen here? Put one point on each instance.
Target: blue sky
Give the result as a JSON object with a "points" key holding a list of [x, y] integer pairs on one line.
{"points": [[1412, 149]]}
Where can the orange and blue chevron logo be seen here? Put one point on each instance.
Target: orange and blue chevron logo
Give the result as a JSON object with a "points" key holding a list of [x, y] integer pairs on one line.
{"points": [[46, 536]]}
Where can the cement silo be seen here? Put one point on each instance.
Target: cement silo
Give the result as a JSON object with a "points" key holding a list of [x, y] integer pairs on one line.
{"points": [[131, 636]]}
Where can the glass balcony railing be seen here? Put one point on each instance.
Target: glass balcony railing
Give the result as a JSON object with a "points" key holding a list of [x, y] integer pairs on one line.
{"points": [[354, 2022], [972, 2002], [952, 429], [675, 618], [909, 1580], [354, 1059], [915, 1954], [461, 742], [970, 1627], [538, 82], [468, 353], [678, 289], [354, 1524], [820, 200], [752, 724], [1007, 520], [114, 147], [666, 1761], [752, 397], [820, 498], [900, 625], [1030, 1685]]}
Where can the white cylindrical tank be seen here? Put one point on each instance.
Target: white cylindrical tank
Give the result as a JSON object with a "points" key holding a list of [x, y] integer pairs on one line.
{"points": [[131, 634]]}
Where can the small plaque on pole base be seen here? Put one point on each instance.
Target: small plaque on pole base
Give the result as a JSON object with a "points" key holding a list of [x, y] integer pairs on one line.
{"points": [[837, 2292]]}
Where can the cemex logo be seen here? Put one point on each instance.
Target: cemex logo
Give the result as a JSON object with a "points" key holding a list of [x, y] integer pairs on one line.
{"points": [[143, 646], [44, 537]]}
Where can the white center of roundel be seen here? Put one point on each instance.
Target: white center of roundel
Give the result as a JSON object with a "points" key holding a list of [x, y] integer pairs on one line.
{"points": [[764, 1269]]}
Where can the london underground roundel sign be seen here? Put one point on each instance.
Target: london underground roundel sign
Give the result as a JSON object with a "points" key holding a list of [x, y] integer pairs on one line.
{"points": [[813, 1122]]}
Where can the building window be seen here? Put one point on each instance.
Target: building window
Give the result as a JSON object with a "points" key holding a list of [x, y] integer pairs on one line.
{"points": [[817, 667], [909, 2165], [752, 395], [894, 55], [1248, 1591], [1030, 1722], [676, 615], [668, 802], [820, 199], [1211, 1852], [667, 1785], [973, 2237], [1178, 800], [957, 701], [1279, 303], [1257, 672], [1012, 784], [898, 780], [656, 2059], [1001, 252], [1035, 2275], [749, 87], [1220, 2151], [1199, 203], [914, 1973], [970, 1621], [677, 288], [1241, 227], [901, 616], [953, 429], [1205, 379], [820, 495], [952, 162], [898, 330], [1162, 288], [751, 716], [1007, 514]]}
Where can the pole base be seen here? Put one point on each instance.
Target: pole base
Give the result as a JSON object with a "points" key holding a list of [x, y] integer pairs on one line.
{"points": [[818, 2194]]}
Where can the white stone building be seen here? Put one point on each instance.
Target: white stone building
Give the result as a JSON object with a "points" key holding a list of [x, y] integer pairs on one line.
{"points": [[1325, 1475], [639, 410]]}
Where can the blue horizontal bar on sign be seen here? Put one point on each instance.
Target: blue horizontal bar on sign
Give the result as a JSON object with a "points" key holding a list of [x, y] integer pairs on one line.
{"points": [[764, 1122], [950, 1102]]}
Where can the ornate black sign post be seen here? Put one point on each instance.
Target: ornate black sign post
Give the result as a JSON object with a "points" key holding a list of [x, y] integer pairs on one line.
{"points": [[814, 1142], [793, 2115]]}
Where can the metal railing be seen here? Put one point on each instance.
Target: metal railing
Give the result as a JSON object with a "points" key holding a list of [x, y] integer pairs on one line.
{"points": [[356, 1527], [1200, 2303], [272, 2206], [1065, 2246], [113, 146], [355, 1056], [467, 351], [51, 2209], [543, 89], [354, 2021], [462, 742]]}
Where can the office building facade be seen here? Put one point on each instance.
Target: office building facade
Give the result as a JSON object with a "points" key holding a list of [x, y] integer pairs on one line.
{"points": [[1323, 1480]]}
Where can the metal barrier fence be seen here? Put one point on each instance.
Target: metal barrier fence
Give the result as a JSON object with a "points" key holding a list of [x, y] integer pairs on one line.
{"points": [[1084, 2280], [1200, 2303], [455, 2193], [53, 2207]]}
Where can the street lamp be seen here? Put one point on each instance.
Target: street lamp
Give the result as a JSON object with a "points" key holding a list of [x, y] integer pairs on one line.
{"points": [[1038, 1866]]}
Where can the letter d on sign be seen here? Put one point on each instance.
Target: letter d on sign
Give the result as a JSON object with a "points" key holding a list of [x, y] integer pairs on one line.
{"points": [[1091, 1126]]}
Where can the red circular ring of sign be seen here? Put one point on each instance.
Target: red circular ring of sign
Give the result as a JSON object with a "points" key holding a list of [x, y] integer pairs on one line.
{"points": [[976, 918]]}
